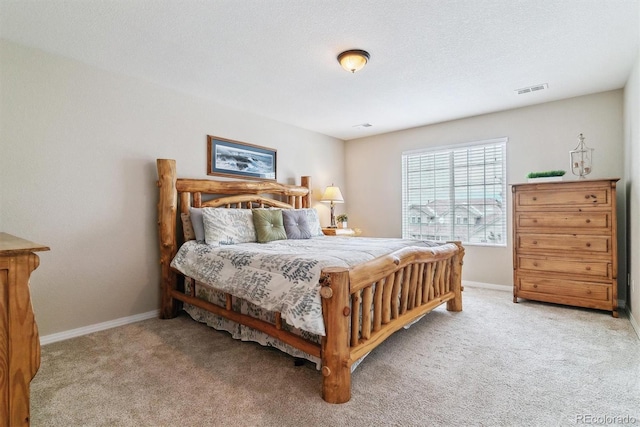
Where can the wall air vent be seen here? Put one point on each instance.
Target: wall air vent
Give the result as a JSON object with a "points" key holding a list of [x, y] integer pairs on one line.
{"points": [[532, 88]]}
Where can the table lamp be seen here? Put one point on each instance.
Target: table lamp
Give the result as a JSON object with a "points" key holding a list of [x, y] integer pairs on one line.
{"points": [[332, 195]]}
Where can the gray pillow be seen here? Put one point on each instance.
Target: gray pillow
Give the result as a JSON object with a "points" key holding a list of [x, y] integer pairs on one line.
{"points": [[296, 224], [197, 223]]}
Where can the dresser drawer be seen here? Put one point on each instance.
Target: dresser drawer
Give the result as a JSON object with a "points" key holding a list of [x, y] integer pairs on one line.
{"points": [[565, 242], [581, 268], [563, 220], [564, 197], [564, 288]]}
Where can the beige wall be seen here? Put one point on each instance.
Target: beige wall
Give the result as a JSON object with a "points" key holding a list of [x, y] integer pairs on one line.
{"points": [[77, 173], [540, 138], [632, 155]]}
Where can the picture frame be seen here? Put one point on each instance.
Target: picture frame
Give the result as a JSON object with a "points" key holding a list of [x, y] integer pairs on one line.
{"points": [[226, 157]]}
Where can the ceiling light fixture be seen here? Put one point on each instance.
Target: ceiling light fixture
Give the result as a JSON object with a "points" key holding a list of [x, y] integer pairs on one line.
{"points": [[353, 60]]}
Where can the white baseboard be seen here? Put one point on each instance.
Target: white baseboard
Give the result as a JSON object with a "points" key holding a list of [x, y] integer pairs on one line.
{"points": [[634, 324], [61, 336], [493, 286]]}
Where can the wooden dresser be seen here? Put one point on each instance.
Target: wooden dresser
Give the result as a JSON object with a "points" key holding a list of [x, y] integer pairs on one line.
{"points": [[565, 244], [19, 342]]}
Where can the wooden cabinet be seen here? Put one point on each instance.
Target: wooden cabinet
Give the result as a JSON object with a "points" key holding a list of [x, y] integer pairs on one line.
{"points": [[19, 342], [565, 244]]}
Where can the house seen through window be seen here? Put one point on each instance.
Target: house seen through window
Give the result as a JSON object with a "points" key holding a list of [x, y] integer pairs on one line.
{"points": [[456, 193]]}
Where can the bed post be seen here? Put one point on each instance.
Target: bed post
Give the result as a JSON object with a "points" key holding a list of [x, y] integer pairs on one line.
{"points": [[456, 279], [305, 181], [336, 366], [167, 211]]}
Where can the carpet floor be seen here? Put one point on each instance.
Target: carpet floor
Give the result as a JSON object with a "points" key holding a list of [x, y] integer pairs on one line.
{"points": [[494, 364]]}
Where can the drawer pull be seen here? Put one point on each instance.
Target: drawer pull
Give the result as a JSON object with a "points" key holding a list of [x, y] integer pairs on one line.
{"points": [[535, 242], [588, 268], [535, 264], [535, 221], [535, 198], [588, 291], [588, 245], [535, 286], [588, 220], [586, 196]]}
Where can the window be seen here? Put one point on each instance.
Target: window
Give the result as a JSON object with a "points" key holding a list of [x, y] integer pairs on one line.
{"points": [[456, 193]]}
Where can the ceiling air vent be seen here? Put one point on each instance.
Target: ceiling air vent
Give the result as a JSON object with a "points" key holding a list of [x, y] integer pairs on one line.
{"points": [[532, 88], [363, 125]]}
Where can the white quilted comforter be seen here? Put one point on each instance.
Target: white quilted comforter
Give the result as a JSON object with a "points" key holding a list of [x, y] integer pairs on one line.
{"points": [[282, 275]]}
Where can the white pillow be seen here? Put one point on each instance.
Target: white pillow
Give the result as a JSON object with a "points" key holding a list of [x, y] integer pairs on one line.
{"points": [[224, 226], [314, 221]]}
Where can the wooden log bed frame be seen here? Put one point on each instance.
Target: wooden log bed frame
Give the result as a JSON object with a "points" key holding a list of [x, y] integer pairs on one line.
{"points": [[361, 306]]}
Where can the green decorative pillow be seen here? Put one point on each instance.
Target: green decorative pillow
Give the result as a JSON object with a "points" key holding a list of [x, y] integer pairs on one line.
{"points": [[269, 225]]}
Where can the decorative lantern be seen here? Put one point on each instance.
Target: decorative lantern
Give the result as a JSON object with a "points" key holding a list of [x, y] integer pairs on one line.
{"points": [[581, 159]]}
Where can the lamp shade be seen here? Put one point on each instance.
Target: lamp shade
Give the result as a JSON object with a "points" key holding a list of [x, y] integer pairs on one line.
{"points": [[332, 194], [353, 60]]}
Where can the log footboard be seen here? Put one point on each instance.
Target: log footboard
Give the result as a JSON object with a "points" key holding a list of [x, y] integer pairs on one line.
{"points": [[365, 305]]}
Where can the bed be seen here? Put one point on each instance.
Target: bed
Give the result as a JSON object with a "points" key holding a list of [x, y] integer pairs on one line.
{"points": [[355, 304]]}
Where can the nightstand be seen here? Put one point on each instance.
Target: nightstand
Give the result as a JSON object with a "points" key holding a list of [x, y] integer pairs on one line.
{"points": [[348, 232]]}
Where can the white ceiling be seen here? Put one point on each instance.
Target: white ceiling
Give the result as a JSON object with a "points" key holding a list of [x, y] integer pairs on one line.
{"points": [[431, 60]]}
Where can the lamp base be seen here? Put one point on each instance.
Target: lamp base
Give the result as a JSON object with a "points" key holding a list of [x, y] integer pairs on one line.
{"points": [[333, 216]]}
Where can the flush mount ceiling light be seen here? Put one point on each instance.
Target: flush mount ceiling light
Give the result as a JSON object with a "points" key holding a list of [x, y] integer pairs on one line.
{"points": [[353, 60]]}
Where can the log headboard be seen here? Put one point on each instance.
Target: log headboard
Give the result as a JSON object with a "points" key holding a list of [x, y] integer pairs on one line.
{"points": [[183, 193]]}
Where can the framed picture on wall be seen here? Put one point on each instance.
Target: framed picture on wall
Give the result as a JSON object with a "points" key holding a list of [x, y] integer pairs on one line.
{"points": [[226, 157]]}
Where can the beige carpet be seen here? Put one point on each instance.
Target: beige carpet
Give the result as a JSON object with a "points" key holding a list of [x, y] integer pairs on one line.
{"points": [[494, 364]]}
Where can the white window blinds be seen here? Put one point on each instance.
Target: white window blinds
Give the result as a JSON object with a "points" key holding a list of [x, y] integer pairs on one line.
{"points": [[456, 193]]}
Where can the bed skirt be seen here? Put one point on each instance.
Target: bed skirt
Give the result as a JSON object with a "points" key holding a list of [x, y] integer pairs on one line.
{"points": [[241, 332], [245, 333]]}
